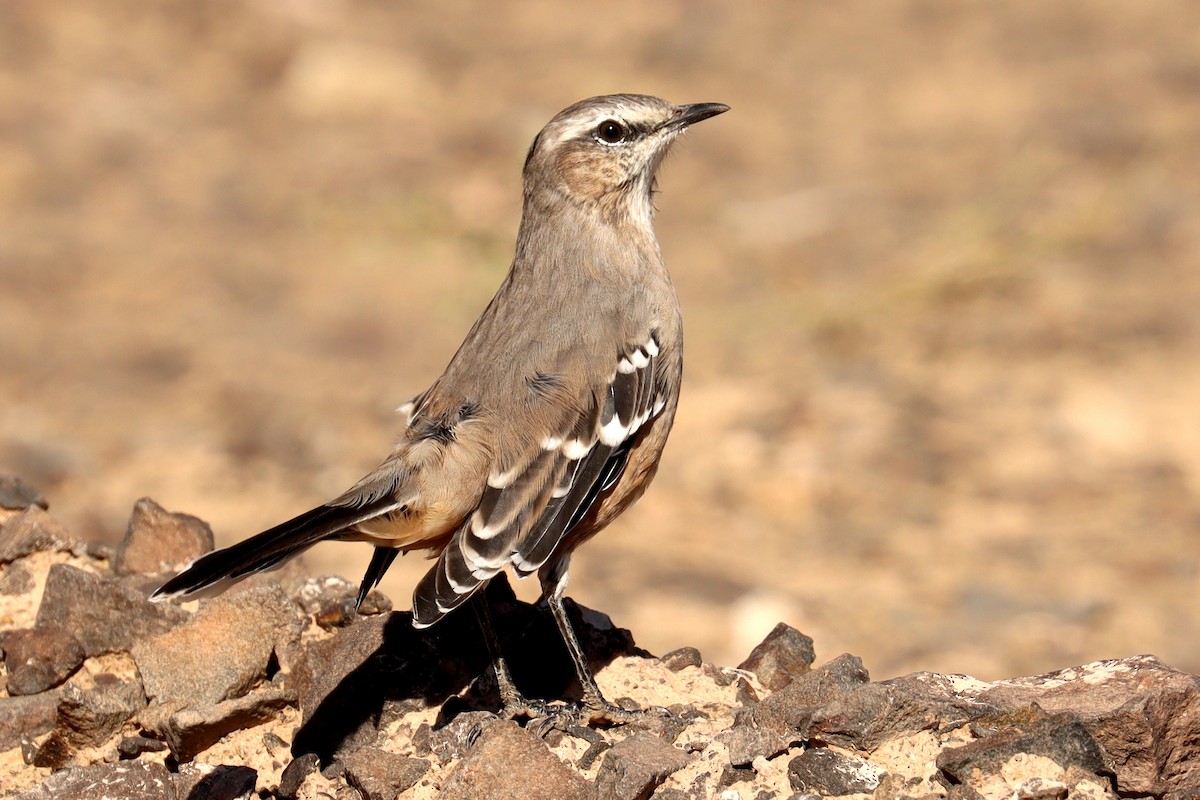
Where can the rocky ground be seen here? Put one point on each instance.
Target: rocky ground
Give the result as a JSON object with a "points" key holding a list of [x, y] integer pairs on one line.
{"points": [[279, 689]]}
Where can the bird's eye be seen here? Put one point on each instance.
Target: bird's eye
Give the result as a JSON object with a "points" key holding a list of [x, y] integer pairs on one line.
{"points": [[611, 132]]}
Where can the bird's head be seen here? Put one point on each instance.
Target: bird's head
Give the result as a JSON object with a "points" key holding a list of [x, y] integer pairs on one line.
{"points": [[602, 152]]}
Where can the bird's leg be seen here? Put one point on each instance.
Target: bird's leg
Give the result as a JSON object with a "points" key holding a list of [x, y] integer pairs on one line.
{"points": [[595, 707], [513, 704]]}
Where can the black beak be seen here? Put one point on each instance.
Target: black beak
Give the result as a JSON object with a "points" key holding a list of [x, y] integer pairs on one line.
{"points": [[691, 114]]}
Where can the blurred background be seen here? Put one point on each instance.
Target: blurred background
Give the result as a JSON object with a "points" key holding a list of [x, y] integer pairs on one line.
{"points": [[940, 269]]}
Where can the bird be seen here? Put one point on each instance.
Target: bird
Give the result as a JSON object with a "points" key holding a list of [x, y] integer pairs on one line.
{"points": [[550, 419]]}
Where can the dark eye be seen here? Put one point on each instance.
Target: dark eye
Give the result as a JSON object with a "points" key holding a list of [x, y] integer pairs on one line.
{"points": [[611, 132]]}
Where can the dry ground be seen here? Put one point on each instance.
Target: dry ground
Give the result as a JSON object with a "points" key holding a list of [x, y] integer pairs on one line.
{"points": [[939, 268]]}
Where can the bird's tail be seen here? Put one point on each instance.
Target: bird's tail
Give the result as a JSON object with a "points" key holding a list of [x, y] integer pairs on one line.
{"points": [[268, 549]]}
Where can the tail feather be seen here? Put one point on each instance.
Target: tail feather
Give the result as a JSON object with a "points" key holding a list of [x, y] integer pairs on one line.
{"points": [[271, 547], [381, 559]]}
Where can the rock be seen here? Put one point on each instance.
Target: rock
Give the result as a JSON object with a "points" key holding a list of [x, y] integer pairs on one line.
{"points": [[746, 743], [39, 658], [785, 654], [824, 772], [1144, 715], [134, 746], [122, 781], [508, 762], [682, 658], [102, 614], [873, 713], [330, 601], [379, 775], [350, 683], [295, 773], [158, 541], [193, 730], [221, 652], [210, 782], [16, 580], [90, 716], [16, 495], [789, 710], [1061, 738], [453, 739], [634, 767], [26, 716], [33, 531]]}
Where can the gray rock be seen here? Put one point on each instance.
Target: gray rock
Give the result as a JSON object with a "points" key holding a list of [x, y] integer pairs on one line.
{"points": [[193, 730], [26, 716], [379, 775], [510, 763], [453, 739], [158, 541], [784, 655], [827, 773], [222, 782], [39, 658], [746, 743], [122, 781], [294, 774], [634, 767], [682, 658], [102, 614], [17, 495], [789, 711], [33, 531], [1062, 738], [222, 651]]}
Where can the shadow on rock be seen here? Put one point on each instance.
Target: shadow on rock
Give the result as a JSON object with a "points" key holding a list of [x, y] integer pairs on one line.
{"points": [[355, 683]]}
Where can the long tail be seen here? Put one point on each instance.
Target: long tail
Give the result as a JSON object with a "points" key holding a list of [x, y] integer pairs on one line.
{"points": [[271, 547]]}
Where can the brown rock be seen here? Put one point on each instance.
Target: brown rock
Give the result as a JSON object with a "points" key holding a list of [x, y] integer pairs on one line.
{"points": [[785, 654], [1062, 738], [365, 672], [33, 531], [682, 658], [158, 541], [193, 730], [39, 658], [509, 763], [102, 614], [16, 580], [123, 781], [1144, 714], [634, 767], [17, 495], [26, 716], [222, 651], [379, 775], [91, 716], [789, 710], [873, 713], [826, 773]]}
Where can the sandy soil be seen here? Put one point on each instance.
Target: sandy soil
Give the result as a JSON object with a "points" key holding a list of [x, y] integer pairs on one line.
{"points": [[939, 269]]}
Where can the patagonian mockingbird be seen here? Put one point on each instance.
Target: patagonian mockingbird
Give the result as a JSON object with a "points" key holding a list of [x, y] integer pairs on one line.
{"points": [[550, 419]]}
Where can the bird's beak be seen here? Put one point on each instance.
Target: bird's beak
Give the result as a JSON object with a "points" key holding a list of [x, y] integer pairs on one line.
{"points": [[691, 114]]}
